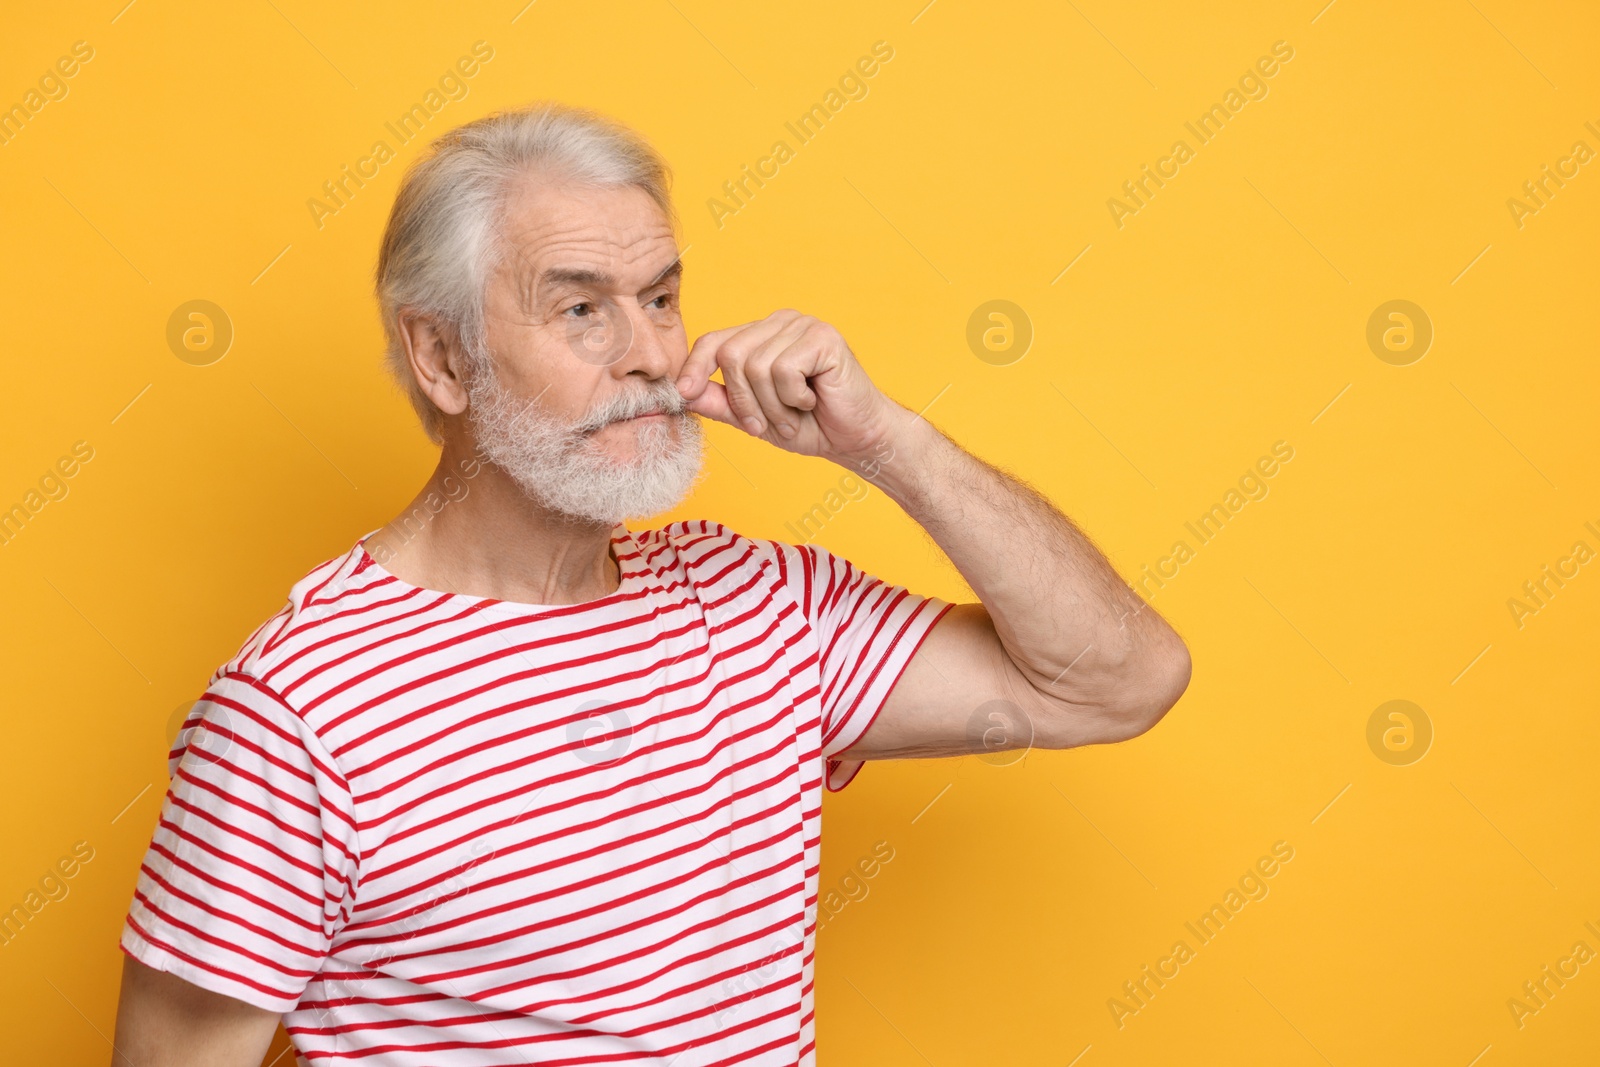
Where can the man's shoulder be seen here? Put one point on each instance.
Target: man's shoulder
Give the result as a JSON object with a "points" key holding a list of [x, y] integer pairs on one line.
{"points": [[701, 541], [717, 556], [323, 593]]}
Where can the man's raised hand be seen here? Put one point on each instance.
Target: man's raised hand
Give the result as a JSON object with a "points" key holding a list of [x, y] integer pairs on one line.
{"points": [[790, 380]]}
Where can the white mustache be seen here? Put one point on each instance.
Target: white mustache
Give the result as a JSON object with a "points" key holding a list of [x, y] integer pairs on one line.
{"points": [[676, 406]]}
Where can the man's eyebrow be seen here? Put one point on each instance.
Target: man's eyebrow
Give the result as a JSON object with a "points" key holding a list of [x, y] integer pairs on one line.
{"points": [[574, 276], [674, 270], [554, 276]]}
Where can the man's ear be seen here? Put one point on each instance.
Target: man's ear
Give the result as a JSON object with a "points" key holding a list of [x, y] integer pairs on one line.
{"points": [[434, 353]]}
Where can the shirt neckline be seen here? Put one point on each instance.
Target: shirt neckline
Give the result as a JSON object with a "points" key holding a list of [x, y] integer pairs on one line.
{"points": [[621, 544]]}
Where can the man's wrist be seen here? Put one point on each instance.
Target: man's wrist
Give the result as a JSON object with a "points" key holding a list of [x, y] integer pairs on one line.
{"points": [[900, 457]]}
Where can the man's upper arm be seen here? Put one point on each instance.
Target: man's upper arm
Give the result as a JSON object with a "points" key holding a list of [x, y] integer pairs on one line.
{"points": [[963, 694], [164, 1021], [867, 632], [250, 873]]}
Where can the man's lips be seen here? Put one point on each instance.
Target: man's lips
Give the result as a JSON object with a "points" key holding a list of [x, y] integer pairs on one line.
{"points": [[637, 418]]}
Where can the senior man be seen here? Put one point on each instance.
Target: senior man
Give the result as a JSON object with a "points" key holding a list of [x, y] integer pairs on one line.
{"points": [[508, 782]]}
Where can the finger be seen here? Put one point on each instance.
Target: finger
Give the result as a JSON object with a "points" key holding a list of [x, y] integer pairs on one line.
{"points": [[713, 404], [733, 356], [741, 400], [702, 359], [759, 377], [790, 373]]}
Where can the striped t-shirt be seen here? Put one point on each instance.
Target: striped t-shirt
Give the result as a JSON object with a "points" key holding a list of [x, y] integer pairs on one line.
{"points": [[434, 828]]}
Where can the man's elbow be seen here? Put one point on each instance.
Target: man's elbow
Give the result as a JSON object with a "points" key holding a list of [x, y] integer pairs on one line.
{"points": [[1146, 688], [1166, 678]]}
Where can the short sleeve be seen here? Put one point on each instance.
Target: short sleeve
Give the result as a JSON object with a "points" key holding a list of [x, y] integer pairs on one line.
{"points": [[252, 867], [867, 632]]}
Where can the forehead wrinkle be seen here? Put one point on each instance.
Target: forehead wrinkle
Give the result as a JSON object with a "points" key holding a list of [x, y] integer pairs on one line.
{"points": [[539, 237], [522, 234], [536, 284]]}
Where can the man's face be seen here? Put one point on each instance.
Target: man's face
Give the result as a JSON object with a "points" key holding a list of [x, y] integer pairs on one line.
{"points": [[587, 340]]}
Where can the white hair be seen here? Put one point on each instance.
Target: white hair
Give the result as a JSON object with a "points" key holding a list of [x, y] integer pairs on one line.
{"points": [[443, 241]]}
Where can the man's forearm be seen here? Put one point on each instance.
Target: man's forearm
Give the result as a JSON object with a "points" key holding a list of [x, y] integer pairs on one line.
{"points": [[1064, 616]]}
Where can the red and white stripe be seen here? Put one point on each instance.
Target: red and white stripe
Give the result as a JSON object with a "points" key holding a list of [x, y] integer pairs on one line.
{"points": [[441, 829]]}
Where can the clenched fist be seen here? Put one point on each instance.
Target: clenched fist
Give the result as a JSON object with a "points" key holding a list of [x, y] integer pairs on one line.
{"points": [[791, 380]]}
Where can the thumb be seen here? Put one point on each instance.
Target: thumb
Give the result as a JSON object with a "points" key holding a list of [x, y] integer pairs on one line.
{"points": [[713, 404]]}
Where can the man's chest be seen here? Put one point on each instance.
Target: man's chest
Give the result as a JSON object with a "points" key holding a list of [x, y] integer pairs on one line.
{"points": [[558, 814]]}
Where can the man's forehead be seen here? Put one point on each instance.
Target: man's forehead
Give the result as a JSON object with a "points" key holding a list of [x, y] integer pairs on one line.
{"points": [[578, 260], [618, 220], [593, 236]]}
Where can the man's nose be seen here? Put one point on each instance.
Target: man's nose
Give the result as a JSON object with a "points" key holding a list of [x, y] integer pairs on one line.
{"points": [[647, 349]]}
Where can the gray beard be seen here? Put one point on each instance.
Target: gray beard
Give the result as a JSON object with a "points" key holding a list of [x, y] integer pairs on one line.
{"points": [[561, 467]]}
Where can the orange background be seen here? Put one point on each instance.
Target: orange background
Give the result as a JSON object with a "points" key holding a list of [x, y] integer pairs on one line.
{"points": [[1227, 314]]}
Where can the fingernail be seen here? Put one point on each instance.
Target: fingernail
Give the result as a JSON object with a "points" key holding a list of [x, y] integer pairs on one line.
{"points": [[786, 429], [753, 424], [684, 383]]}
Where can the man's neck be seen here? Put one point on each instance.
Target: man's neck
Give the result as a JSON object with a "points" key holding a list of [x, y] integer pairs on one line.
{"points": [[481, 535]]}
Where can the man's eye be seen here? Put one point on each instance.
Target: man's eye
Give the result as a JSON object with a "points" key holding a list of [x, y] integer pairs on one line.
{"points": [[663, 297], [575, 307]]}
